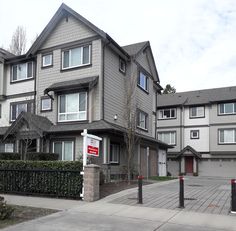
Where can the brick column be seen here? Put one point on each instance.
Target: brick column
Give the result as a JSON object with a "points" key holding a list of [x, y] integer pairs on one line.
{"points": [[91, 182]]}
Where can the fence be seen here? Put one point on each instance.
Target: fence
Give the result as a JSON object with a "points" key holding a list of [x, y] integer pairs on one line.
{"points": [[59, 183]]}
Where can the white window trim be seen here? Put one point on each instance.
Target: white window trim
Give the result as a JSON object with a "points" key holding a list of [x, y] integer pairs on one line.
{"points": [[43, 60], [79, 112], [229, 113], [229, 129], [81, 65], [18, 80], [197, 116], [145, 122], [46, 109], [166, 118], [194, 137], [168, 132], [63, 144], [146, 82], [17, 113]]}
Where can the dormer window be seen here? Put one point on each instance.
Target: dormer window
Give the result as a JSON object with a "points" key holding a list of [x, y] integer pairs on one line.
{"points": [[22, 71]]}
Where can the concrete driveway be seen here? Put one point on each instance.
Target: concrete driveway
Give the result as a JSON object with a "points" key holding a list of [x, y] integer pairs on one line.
{"points": [[202, 194]]}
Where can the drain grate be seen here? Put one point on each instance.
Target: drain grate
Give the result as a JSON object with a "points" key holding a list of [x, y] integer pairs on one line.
{"points": [[190, 199]]}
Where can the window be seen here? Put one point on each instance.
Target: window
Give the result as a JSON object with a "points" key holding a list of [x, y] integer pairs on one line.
{"points": [[227, 108], [142, 120], [168, 137], [169, 113], [9, 147], [46, 104], [47, 60], [17, 108], [114, 153], [76, 57], [227, 136], [194, 134], [22, 71], [197, 112], [122, 66], [65, 149], [72, 107], [143, 81]]}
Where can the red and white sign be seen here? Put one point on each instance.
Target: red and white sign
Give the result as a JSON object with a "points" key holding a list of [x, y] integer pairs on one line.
{"points": [[92, 147]]}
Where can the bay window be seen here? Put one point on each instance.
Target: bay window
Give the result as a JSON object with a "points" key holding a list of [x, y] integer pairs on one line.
{"points": [[72, 107]]}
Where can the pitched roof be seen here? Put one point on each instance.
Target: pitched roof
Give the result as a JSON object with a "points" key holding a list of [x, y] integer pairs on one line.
{"points": [[40, 124], [133, 49], [189, 149], [57, 17], [198, 97], [73, 84], [5, 54]]}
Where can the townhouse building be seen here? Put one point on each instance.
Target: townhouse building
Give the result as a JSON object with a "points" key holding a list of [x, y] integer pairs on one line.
{"points": [[201, 126], [75, 77]]}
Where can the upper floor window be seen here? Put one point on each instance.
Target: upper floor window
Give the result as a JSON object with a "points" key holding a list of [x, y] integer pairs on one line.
{"points": [[169, 113], [227, 108], [76, 57], [197, 112], [114, 153], [22, 71], [143, 81], [17, 108], [227, 136], [72, 107], [194, 134], [142, 120], [168, 137], [46, 104], [122, 65], [47, 60]]}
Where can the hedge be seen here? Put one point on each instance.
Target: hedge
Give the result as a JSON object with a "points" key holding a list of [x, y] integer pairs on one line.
{"points": [[9, 156], [50, 178], [41, 156]]}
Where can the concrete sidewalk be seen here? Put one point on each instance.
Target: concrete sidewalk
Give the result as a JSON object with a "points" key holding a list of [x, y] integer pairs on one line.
{"points": [[102, 216], [41, 202]]}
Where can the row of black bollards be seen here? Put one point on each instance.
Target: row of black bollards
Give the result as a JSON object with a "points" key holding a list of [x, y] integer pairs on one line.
{"points": [[181, 192]]}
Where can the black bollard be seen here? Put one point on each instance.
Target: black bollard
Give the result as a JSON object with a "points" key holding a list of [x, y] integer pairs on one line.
{"points": [[181, 192], [140, 190], [233, 196]]}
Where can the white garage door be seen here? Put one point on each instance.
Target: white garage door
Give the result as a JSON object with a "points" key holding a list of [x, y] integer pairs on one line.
{"points": [[217, 167]]}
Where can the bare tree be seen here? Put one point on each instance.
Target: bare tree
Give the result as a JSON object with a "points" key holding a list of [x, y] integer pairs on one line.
{"points": [[18, 41], [130, 109]]}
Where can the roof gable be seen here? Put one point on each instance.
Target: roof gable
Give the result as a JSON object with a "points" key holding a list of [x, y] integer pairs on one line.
{"points": [[188, 150], [62, 12]]}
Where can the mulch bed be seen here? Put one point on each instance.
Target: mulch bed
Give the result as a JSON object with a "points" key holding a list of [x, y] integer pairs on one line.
{"points": [[23, 213], [107, 189]]}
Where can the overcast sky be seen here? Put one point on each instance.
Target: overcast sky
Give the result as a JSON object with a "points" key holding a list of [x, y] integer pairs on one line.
{"points": [[193, 41]]}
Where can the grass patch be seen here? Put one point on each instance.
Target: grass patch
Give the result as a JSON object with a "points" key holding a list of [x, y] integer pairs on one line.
{"points": [[162, 178], [23, 213]]}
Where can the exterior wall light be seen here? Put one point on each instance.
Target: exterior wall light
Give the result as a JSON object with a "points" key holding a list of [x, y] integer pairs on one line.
{"points": [[115, 117]]}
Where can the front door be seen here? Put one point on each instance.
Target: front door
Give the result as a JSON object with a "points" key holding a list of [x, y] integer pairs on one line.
{"points": [[189, 165], [162, 163]]}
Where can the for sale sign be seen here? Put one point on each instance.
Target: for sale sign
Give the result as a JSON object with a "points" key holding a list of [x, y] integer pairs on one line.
{"points": [[92, 146]]}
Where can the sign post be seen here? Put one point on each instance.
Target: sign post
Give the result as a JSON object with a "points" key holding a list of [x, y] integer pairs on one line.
{"points": [[90, 147]]}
